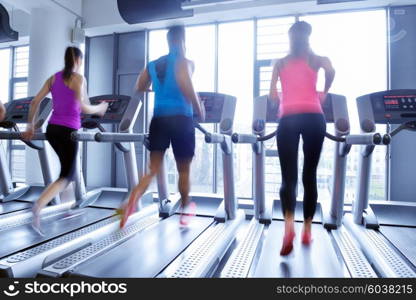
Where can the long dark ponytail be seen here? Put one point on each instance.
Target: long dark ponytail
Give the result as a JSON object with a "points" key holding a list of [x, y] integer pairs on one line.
{"points": [[71, 55]]}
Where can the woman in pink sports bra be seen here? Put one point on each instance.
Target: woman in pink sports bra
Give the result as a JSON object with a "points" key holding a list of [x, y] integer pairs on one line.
{"points": [[70, 98], [300, 114]]}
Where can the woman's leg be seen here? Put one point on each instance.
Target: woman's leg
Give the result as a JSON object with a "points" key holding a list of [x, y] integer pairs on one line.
{"points": [[60, 139], [287, 145], [313, 134]]}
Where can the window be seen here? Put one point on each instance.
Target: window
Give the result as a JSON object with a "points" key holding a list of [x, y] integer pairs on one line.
{"points": [[19, 90], [272, 43], [335, 36], [235, 77], [250, 47], [4, 74], [20, 72], [4, 82]]}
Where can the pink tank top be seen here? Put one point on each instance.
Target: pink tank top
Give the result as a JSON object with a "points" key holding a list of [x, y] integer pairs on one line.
{"points": [[299, 94], [66, 108]]}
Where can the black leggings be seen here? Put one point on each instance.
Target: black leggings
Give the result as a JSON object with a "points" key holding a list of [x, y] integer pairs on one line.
{"points": [[312, 127], [59, 137]]}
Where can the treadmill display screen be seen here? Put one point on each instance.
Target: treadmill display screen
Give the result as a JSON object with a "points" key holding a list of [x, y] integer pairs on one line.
{"points": [[400, 102], [117, 106], [213, 106], [18, 110]]}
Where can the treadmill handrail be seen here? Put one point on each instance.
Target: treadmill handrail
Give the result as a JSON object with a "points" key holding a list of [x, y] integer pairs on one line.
{"points": [[212, 137], [5, 135], [112, 137], [78, 136], [411, 125], [244, 138], [358, 139]]}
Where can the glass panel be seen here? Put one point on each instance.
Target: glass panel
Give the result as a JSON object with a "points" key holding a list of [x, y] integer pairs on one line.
{"points": [[4, 74], [21, 61], [272, 39], [235, 77], [20, 90], [21, 70], [272, 43], [335, 36], [19, 165]]}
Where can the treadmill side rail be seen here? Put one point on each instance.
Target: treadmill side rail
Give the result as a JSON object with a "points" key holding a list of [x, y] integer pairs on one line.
{"points": [[357, 263], [386, 260], [25, 217], [203, 256], [136, 223], [240, 262]]}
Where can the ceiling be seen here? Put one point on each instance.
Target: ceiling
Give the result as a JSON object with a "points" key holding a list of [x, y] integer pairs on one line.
{"points": [[108, 19]]}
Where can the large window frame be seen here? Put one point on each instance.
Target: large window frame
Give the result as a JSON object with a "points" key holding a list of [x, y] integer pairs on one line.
{"points": [[257, 65], [13, 80]]}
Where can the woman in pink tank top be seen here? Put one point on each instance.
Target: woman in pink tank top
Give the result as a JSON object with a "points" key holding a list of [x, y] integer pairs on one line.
{"points": [[300, 114], [69, 97]]}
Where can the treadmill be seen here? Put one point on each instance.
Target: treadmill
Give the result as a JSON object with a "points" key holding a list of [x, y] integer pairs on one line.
{"points": [[193, 251], [333, 254], [121, 114], [24, 252], [386, 231], [13, 197]]}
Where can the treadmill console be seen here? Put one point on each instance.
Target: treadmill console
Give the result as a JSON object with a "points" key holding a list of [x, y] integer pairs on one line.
{"points": [[17, 111], [219, 108], [117, 106], [386, 107]]}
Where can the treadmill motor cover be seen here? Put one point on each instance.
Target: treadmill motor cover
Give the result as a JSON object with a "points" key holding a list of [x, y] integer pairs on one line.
{"points": [[6, 33]]}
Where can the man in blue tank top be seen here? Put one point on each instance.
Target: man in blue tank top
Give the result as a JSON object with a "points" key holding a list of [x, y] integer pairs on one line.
{"points": [[172, 122]]}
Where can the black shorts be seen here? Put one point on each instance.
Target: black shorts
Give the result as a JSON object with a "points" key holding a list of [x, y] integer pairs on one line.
{"points": [[59, 137], [178, 130]]}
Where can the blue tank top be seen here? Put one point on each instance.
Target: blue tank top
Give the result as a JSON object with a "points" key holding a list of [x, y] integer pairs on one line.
{"points": [[169, 99]]}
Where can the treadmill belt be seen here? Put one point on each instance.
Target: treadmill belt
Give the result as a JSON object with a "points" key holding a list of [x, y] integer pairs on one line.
{"points": [[401, 215], [110, 199], [206, 206], [403, 238], [12, 206], [146, 254], [317, 260], [18, 238]]}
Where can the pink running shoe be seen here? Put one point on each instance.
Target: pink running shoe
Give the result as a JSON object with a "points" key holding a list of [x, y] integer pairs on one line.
{"points": [[287, 246], [306, 238], [187, 216], [125, 212]]}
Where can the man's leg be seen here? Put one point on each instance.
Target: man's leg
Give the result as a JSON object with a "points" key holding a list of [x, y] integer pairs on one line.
{"points": [[156, 161], [184, 185]]}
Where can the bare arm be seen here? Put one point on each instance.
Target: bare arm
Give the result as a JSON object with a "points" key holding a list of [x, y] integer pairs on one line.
{"points": [[329, 73], [2, 112], [143, 81], [183, 77], [273, 94], [79, 85], [34, 105]]}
